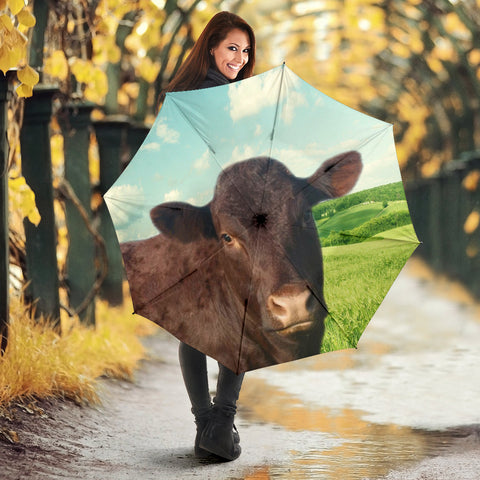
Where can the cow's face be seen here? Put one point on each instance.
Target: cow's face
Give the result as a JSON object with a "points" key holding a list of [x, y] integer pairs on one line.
{"points": [[268, 246]]}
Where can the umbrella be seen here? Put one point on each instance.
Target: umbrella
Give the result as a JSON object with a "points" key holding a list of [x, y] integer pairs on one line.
{"points": [[262, 221]]}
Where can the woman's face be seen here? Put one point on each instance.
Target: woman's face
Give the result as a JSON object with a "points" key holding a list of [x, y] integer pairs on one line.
{"points": [[231, 54]]}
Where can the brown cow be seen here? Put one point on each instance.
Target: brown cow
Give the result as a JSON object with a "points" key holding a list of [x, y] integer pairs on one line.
{"points": [[241, 278]]}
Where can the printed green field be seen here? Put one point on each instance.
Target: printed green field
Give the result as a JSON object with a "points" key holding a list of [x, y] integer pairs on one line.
{"points": [[357, 278], [356, 217]]}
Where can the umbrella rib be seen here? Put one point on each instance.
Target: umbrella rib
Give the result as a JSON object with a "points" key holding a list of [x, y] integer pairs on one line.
{"points": [[212, 151], [277, 108], [288, 257], [242, 334], [352, 345], [189, 122], [272, 135], [240, 350], [157, 297]]}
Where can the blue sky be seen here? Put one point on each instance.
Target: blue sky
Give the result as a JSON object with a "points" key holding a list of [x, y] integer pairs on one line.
{"points": [[198, 133]]}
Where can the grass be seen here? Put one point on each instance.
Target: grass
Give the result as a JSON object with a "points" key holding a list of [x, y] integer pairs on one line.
{"points": [[39, 363], [350, 218], [358, 215], [357, 278]]}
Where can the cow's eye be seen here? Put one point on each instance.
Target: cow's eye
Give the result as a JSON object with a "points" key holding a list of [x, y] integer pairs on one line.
{"points": [[226, 238]]}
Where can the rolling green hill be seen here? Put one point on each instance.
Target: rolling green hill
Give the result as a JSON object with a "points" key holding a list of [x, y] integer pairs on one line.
{"points": [[362, 215]]}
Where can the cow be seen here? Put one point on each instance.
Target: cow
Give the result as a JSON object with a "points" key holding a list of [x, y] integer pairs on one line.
{"points": [[241, 278]]}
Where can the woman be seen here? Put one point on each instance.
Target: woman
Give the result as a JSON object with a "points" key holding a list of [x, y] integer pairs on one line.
{"points": [[224, 52]]}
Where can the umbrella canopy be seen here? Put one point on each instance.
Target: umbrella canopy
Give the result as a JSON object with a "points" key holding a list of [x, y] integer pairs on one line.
{"points": [[262, 221]]}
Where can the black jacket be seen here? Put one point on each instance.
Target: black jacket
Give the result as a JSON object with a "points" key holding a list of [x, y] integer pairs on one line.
{"points": [[213, 79]]}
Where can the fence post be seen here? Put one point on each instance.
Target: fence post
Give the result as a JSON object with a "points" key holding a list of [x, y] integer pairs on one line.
{"points": [[417, 194], [111, 136], [135, 137], [74, 120], [452, 224], [40, 244], [5, 93]]}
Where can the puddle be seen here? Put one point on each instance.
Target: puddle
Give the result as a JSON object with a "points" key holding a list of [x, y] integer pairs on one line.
{"points": [[402, 397], [365, 450]]}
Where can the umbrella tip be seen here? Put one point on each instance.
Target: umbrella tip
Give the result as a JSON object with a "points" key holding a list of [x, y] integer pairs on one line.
{"points": [[260, 220]]}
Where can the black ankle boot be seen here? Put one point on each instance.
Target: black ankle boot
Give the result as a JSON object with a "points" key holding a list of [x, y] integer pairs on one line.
{"points": [[201, 420], [220, 435]]}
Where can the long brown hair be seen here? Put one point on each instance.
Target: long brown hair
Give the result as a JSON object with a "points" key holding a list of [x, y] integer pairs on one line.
{"points": [[194, 69]]}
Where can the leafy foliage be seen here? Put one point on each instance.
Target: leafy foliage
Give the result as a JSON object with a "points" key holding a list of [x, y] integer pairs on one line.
{"points": [[15, 20]]}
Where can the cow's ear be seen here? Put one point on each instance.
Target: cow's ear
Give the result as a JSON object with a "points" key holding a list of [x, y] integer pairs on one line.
{"points": [[183, 221], [336, 177]]}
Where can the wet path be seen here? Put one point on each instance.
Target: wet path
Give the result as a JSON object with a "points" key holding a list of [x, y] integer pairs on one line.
{"points": [[411, 392], [400, 398]]}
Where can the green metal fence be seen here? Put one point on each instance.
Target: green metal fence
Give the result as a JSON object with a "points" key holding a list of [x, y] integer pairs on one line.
{"points": [[444, 210]]}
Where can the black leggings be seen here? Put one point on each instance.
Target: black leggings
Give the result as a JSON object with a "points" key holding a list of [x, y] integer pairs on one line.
{"points": [[194, 370]]}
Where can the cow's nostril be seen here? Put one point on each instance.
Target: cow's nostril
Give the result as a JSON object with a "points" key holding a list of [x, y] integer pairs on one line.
{"points": [[290, 308], [278, 306]]}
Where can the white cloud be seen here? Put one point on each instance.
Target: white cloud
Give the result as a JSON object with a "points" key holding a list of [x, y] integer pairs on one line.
{"points": [[291, 102], [258, 130], [124, 203], [241, 153], [172, 195], [202, 163], [252, 95], [126, 192], [152, 146], [165, 133]]}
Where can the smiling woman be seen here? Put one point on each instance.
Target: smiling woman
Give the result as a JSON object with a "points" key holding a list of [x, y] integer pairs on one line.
{"points": [[224, 52], [231, 54]]}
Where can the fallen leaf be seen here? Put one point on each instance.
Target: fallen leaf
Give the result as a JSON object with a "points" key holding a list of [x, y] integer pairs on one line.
{"points": [[10, 435]]}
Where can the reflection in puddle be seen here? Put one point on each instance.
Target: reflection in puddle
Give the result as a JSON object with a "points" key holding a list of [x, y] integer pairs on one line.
{"points": [[391, 403], [367, 450]]}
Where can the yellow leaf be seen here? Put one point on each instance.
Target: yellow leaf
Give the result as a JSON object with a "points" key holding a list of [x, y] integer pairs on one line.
{"points": [[56, 65], [10, 435], [34, 217], [148, 70], [471, 181], [472, 222], [15, 5], [3, 4], [57, 149], [26, 18], [123, 98], [100, 81], [82, 70], [114, 53], [24, 90], [435, 64], [22, 199], [474, 57], [5, 58], [133, 43], [6, 21], [28, 75]]}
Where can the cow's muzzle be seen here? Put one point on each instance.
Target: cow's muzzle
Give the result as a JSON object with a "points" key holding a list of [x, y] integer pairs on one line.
{"points": [[292, 309]]}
